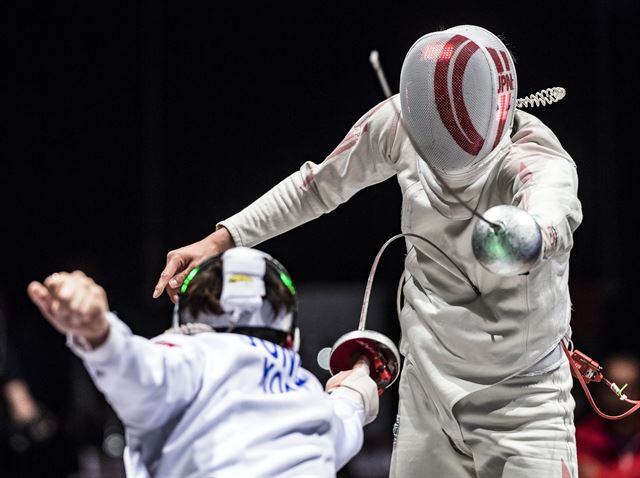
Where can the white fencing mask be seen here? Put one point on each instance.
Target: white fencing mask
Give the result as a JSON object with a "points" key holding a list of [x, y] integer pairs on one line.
{"points": [[458, 96], [243, 293]]}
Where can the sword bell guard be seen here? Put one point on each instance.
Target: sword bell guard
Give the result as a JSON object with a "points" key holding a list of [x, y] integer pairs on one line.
{"points": [[382, 353]]}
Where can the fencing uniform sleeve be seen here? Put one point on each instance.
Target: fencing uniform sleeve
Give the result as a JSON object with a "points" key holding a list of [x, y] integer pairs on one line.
{"points": [[355, 404], [540, 177], [147, 383], [363, 158]]}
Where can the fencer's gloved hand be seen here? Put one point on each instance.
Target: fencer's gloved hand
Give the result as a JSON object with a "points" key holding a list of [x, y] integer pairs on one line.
{"points": [[359, 384], [181, 261], [74, 304], [548, 241]]}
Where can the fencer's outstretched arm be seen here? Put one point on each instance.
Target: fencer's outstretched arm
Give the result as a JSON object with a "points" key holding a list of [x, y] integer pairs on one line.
{"points": [[366, 156], [146, 383], [363, 158], [542, 179]]}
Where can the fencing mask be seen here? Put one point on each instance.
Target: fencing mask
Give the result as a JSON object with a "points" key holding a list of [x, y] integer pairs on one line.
{"points": [[246, 278], [458, 96]]}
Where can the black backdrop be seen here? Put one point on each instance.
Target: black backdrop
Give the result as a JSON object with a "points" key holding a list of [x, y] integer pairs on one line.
{"points": [[132, 127]]}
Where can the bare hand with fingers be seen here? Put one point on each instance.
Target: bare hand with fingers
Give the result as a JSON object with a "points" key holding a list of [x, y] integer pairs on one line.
{"points": [[181, 261], [73, 303]]}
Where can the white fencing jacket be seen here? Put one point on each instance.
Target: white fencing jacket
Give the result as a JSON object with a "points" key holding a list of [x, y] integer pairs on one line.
{"points": [[458, 341], [223, 405]]}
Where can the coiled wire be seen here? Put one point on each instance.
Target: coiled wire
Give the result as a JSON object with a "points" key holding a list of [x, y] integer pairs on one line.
{"points": [[542, 97]]}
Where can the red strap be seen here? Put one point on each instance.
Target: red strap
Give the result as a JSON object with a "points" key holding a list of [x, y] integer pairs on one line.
{"points": [[578, 375]]}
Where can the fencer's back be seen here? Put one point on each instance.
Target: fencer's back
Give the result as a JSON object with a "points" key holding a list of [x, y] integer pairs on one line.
{"points": [[257, 413]]}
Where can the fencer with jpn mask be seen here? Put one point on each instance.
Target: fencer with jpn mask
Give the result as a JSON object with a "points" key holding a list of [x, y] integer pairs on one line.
{"points": [[485, 389], [222, 393]]}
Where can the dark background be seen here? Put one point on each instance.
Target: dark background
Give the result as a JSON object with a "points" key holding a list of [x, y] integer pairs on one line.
{"points": [[133, 127]]}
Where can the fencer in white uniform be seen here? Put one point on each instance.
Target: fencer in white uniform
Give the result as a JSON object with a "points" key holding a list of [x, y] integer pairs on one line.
{"points": [[485, 387], [200, 403]]}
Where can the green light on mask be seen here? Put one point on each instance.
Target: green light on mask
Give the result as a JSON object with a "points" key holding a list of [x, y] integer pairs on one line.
{"points": [[286, 280], [188, 279]]}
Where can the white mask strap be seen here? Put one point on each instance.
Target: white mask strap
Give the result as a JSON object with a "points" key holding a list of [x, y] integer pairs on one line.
{"points": [[243, 286]]}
